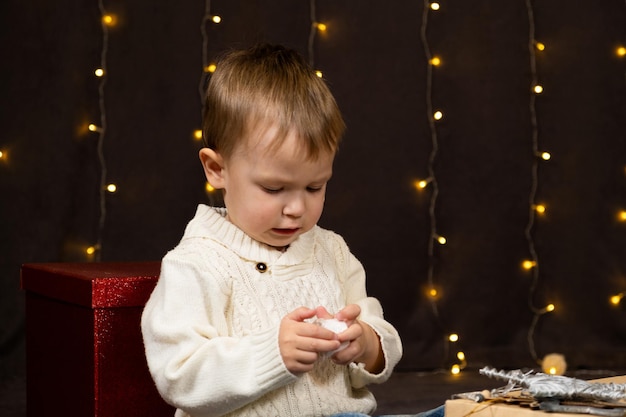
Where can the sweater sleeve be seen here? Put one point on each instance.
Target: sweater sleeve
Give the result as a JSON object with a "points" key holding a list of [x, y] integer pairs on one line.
{"points": [[196, 366], [372, 314]]}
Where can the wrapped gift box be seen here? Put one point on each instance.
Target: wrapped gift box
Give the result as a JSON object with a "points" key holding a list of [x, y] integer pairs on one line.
{"points": [[465, 407], [84, 350]]}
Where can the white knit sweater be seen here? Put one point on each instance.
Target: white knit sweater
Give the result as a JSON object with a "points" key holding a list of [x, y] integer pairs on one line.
{"points": [[211, 325]]}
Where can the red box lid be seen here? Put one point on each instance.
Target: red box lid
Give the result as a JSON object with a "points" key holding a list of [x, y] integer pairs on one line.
{"points": [[94, 284]]}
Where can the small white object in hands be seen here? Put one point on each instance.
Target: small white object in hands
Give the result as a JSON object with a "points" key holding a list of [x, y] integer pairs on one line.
{"points": [[336, 326]]}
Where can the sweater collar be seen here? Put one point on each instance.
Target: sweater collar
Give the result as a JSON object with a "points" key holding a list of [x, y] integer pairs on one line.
{"points": [[211, 223]]}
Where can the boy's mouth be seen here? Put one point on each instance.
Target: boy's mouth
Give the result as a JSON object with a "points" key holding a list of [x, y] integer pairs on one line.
{"points": [[286, 232]]}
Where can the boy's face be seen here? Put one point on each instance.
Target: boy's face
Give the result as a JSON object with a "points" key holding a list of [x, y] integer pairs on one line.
{"points": [[274, 195]]}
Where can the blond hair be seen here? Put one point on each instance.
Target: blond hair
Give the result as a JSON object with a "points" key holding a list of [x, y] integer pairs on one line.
{"points": [[269, 85]]}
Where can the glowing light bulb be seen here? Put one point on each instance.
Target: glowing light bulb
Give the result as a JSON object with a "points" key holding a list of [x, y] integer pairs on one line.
{"points": [[460, 356], [3, 155], [421, 184], [434, 6], [319, 73], [111, 188], [546, 156], [540, 46], [435, 61], [554, 364], [93, 128], [197, 134], [109, 19], [321, 27], [528, 264], [99, 72], [453, 337], [540, 208], [442, 240], [621, 51], [216, 19], [616, 299], [455, 370], [209, 188], [90, 250], [622, 215], [538, 89], [549, 308], [432, 293], [438, 115], [210, 68]]}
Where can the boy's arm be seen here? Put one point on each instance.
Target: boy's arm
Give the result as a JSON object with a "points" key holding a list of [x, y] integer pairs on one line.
{"points": [[195, 365]]}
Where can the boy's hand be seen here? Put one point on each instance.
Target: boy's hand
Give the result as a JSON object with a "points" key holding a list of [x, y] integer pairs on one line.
{"points": [[300, 343], [364, 344]]}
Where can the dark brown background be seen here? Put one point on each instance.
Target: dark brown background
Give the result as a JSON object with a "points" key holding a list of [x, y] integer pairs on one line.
{"points": [[374, 61]]}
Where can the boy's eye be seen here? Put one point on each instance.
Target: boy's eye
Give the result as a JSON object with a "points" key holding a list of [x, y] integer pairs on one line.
{"points": [[314, 189], [271, 190]]}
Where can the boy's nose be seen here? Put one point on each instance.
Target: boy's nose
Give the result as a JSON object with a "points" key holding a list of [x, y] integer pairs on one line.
{"points": [[294, 207]]}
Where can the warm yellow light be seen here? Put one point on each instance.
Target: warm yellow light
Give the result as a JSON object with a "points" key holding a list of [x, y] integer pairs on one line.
{"points": [[455, 370], [99, 72], [442, 240], [210, 68], [421, 184], [216, 19], [460, 356], [538, 89], [453, 337], [93, 128], [432, 293], [438, 115], [109, 19], [209, 188], [197, 134], [622, 215], [319, 73], [549, 308], [434, 5], [621, 51], [90, 250], [546, 156], [3, 155], [540, 46], [111, 188], [435, 61], [554, 364], [321, 27], [616, 299], [540, 208], [528, 264]]}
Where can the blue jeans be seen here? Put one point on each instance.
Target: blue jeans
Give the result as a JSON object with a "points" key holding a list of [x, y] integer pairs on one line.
{"points": [[436, 412]]}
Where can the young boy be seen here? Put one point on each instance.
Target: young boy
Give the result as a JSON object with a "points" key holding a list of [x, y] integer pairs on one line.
{"points": [[230, 328]]}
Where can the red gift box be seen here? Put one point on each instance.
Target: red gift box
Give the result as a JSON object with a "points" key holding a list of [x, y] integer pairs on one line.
{"points": [[84, 350]]}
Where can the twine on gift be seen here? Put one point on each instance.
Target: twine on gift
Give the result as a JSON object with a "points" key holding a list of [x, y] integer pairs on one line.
{"points": [[541, 385]]}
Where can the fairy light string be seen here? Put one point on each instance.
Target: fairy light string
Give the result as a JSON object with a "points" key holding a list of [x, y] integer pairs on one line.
{"points": [[106, 20], [532, 264], [208, 68], [435, 238], [315, 27], [431, 181]]}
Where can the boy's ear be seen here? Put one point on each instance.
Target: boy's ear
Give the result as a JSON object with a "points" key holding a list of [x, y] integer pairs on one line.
{"points": [[213, 164]]}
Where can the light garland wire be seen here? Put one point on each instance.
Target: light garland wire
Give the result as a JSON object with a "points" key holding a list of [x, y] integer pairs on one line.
{"points": [[432, 179], [102, 131], [460, 362], [207, 69], [205, 53], [312, 32], [534, 184]]}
